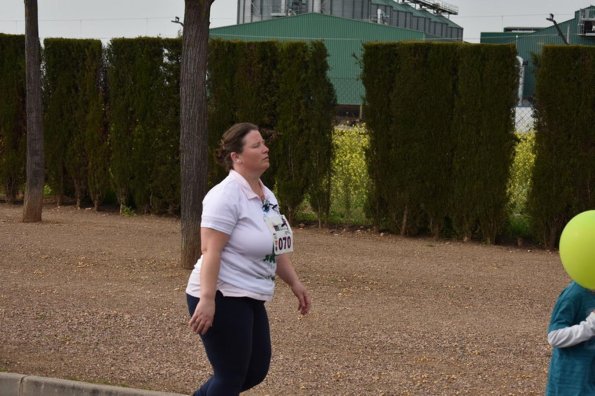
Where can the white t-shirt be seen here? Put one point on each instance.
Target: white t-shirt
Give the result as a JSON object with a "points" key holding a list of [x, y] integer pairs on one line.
{"points": [[248, 262]]}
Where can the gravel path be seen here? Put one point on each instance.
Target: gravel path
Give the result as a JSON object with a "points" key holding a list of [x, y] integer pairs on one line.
{"points": [[98, 297]]}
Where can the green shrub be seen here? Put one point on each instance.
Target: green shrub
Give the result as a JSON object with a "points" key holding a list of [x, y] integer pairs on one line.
{"points": [[519, 226], [47, 191], [521, 173], [127, 211], [350, 181]]}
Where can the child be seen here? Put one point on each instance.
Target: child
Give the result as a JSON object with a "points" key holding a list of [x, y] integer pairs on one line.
{"points": [[571, 333]]}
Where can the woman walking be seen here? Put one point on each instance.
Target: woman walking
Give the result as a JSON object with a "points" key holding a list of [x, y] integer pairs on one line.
{"points": [[245, 242]]}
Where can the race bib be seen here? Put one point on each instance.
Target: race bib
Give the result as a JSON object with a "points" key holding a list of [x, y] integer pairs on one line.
{"points": [[282, 234]]}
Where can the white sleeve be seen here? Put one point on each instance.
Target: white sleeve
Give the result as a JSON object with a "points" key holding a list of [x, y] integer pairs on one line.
{"points": [[220, 210], [573, 335]]}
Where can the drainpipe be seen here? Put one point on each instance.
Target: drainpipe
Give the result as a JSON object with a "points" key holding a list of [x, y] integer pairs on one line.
{"points": [[551, 19]]}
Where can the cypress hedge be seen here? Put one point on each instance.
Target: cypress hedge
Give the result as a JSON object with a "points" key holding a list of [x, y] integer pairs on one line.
{"points": [[96, 132], [421, 128], [119, 125], [441, 136], [222, 92], [242, 86], [257, 82], [117, 119], [320, 103], [165, 180], [73, 113], [12, 115], [409, 112], [484, 129], [564, 173], [245, 81], [289, 156], [439, 116], [378, 76], [136, 116]]}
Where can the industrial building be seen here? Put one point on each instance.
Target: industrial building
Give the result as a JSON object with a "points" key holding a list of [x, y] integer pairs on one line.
{"points": [[579, 30], [427, 16]]}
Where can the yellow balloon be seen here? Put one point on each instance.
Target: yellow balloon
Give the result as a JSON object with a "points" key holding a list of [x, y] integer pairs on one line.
{"points": [[577, 249]]}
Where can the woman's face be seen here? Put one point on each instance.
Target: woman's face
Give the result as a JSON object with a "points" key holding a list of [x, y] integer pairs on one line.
{"points": [[254, 157]]}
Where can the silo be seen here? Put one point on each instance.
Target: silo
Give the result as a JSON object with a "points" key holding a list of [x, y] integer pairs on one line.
{"points": [[408, 20], [352, 9], [260, 10], [394, 18], [403, 16], [348, 9], [316, 6]]}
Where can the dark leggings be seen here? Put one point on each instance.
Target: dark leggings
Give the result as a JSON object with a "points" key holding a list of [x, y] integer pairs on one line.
{"points": [[238, 345]]}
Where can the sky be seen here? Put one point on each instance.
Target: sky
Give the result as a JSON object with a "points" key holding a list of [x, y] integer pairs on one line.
{"points": [[106, 19]]}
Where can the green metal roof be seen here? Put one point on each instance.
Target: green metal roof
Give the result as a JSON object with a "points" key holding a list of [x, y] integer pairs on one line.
{"points": [[342, 37], [501, 37], [446, 20]]}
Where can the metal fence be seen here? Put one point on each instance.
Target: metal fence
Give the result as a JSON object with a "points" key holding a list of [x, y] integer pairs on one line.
{"points": [[524, 120]]}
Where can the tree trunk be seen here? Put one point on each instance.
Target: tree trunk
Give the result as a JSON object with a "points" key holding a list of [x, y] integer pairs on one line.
{"points": [[78, 193], [35, 166], [551, 241], [404, 222], [122, 196], [193, 125], [11, 191]]}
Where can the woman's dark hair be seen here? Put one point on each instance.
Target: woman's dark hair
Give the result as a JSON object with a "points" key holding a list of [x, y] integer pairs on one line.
{"points": [[232, 141]]}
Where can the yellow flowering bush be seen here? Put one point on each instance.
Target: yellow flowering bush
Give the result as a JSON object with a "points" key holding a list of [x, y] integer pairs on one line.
{"points": [[350, 175]]}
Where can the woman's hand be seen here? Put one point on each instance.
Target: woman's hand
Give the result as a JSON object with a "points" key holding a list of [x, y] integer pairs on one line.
{"points": [[305, 302], [202, 319], [286, 272]]}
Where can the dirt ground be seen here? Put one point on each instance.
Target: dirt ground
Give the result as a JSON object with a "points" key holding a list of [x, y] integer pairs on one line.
{"points": [[100, 298]]}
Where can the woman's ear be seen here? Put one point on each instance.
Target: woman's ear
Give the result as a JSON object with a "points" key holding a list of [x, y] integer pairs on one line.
{"points": [[235, 157]]}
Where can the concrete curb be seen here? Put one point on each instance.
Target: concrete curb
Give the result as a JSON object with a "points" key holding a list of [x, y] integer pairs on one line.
{"points": [[12, 384]]}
